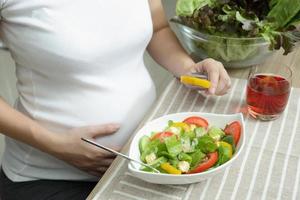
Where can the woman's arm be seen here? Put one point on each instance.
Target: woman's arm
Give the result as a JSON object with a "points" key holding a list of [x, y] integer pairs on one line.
{"points": [[166, 50], [164, 46], [65, 146], [18, 126]]}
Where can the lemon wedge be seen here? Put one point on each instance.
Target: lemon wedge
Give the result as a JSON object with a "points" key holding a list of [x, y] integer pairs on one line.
{"points": [[190, 80]]}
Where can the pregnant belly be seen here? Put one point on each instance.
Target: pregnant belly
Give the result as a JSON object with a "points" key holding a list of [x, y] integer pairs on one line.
{"points": [[93, 108]]}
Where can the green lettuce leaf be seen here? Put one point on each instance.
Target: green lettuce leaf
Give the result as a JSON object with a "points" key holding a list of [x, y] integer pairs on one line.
{"points": [[184, 157], [295, 21], [273, 3], [207, 144], [154, 146], [216, 133], [283, 12], [173, 145], [229, 139], [188, 7], [223, 155], [143, 142], [174, 162], [231, 19], [197, 157], [156, 164], [228, 49]]}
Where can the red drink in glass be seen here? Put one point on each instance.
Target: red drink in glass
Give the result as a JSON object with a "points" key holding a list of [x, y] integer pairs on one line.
{"points": [[267, 94]]}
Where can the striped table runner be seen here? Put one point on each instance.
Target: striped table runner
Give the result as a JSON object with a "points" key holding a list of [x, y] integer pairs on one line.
{"points": [[269, 167]]}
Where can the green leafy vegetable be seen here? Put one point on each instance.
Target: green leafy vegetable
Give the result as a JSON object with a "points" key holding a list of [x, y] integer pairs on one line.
{"points": [[223, 155], [272, 3], [186, 143], [295, 21], [166, 154], [229, 139], [190, 134], [156, 164], [187, 7], [143, 143], [186, 151], [153, 146], [200, 131], [283, 12], [207, 144], [197, 157], [223, 21], [185, 157], [216, 133], [173, 145], [174, 162]]}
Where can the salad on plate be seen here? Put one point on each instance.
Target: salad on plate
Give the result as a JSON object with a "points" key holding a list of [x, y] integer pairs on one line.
{"points": [[189, 146]]}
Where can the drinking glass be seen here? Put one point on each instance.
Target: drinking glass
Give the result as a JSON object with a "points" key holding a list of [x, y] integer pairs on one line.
{"points": [[268, 91]]}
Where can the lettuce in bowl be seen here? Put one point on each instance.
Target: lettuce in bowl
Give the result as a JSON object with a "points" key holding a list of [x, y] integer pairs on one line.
{"points": [[236, 31]]}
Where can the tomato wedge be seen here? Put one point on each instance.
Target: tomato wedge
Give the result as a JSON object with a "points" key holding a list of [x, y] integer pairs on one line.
{"points": [[198, 121], [212, 159], [162, 135], [234, 129]]}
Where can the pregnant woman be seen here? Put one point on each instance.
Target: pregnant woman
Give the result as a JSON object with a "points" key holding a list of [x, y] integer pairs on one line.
{"points": [[80, 73]]}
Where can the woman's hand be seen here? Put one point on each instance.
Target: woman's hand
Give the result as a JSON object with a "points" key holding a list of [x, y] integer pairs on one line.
{"points": [[66, 146], [82, 155], [217, 75]]}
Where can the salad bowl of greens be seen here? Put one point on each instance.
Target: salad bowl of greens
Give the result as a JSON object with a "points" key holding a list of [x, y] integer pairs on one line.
{"points": [[187, 147], [238, 33], [232, 52]]}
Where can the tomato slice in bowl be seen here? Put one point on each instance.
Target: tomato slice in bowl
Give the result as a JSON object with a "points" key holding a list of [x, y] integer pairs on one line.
{"points": [[198, 121], [234, 129], [211, 161], [162, 135]]}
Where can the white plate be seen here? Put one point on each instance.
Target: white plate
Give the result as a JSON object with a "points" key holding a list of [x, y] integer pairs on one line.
{"points": [[219, 120]]}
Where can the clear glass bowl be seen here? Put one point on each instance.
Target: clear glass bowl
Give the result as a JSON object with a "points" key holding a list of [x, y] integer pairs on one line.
{"points": [[232, 52]]}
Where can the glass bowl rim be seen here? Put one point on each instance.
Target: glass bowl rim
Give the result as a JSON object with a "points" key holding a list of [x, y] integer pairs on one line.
{"points": [[198, 34]]}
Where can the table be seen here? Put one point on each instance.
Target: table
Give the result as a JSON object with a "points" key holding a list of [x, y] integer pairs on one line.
{"points": [[268, 169]]}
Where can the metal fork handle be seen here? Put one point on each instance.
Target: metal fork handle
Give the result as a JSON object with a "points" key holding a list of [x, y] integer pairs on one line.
{"points": [[118, 153]]}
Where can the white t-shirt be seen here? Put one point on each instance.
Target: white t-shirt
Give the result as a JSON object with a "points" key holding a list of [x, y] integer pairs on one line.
{"points": [[78, 63]]}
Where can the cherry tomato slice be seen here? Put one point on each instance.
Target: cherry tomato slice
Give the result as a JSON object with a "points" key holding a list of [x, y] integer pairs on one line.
{"points": [[234, 129], [212, 159], [162, 135], [198, 121]]}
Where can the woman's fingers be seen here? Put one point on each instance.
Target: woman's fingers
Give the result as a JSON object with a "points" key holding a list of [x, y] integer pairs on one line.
{"points": [[212, 68], [102, 154], [93, 132], [101, 130], [217, 75], [105, 162], [98, 171], [224, 83], [83, 155]]}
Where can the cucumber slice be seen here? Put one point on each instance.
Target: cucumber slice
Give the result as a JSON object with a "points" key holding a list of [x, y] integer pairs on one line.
{"points": [[143, 143]]}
